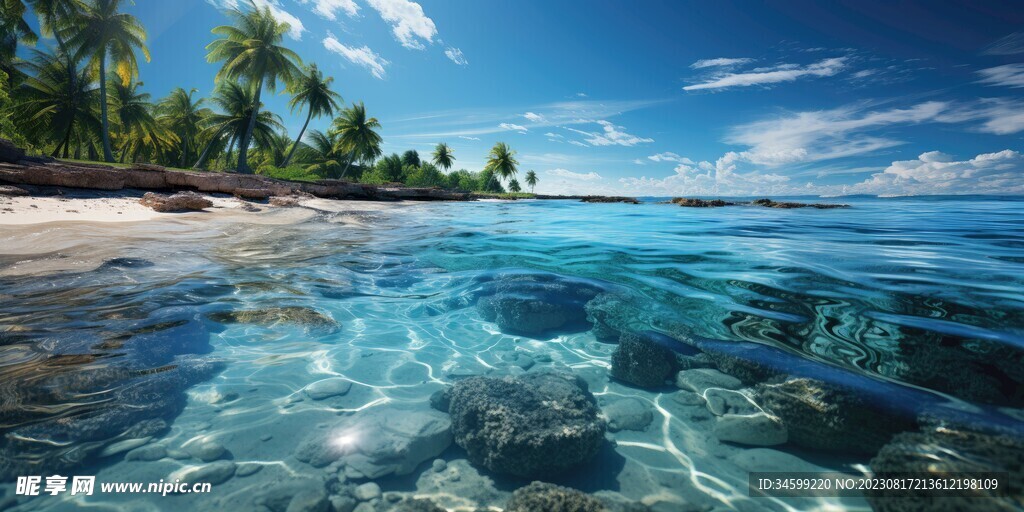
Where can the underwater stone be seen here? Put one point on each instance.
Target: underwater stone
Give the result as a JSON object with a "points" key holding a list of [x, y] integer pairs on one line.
{"points": [[312, 499], [628, 414], [643, 362], [749, 372], [367, 492], [205, 449], [415, 505], [940, 448], [327, 388], [213, 473], [552, 498], [123, 446], [698, 380], [378, 441], [268, 316], [534, 304], [147, 453], [822, 416], [726, 401], [530, 426], [757, 429]]}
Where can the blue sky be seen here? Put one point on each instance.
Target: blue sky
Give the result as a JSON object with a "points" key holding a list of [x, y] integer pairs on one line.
{"points": [[663, 98]]}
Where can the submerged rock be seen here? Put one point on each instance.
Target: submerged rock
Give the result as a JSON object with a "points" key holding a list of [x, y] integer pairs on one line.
{"points": [[535, 304], [628, 414], [269, 316], [641, 361], [328, 388], [768, 203], [541, 496], [213, 473], [530, 426], [940, 449], [700, 379], [379, 441], [180, 202], [758, 429], [822, 416]]}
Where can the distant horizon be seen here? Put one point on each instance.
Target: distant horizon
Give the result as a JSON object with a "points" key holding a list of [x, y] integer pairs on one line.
{"points": [[725, 99]]}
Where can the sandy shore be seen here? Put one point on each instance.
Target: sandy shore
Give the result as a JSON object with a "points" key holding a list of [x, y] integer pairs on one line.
{"points": [[77, 230]]}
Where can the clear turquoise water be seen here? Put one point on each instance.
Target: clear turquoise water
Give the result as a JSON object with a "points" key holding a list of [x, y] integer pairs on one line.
{"points": [[843, 292]]}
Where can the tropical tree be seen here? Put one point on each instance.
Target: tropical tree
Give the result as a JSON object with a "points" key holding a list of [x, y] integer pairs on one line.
{"points": [[237, 105], [321, 152], [531, 180], [56, 18], [501, 161], [356, 135], [443, 156], [56, 101], [513, 186], [251, 49], [101, 31], [314, 91], [411, 158], [138, 132], [183, 115], [13, 29]]}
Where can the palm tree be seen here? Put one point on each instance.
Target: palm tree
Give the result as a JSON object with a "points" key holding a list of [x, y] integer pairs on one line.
{"points": [[356, 135], [501, 161], [531, 180], [251, 50], [138, 131], [101, 31], [56, 101], [13, 28], [321, 152], [513, 186], [237, 104], [56, 18], [183, 115], [314, 90], [444, 156]]}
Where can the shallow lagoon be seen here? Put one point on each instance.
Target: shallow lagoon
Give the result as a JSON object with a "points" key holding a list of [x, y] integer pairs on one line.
{"points": [[210, 334]]}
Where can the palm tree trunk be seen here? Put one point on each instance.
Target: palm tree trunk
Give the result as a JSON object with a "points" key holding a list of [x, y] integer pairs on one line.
{"points": [[243, 147], [347, 165], [67, 140], [108, 156], [206, 152], [296, 145], [184, 153]]}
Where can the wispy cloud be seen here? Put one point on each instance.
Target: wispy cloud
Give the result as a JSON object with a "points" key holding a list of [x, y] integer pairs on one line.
{"points": [[935, 172], [1012, 44], [455, 55], [773, 75], [578, 143], [408, 22], [611, 135], [468, 138], [565, 173], [534, 117], [329, 9], [552, 135], [363, 57], [513, 127], [1009, 75], [670, 157], [719, 62]]}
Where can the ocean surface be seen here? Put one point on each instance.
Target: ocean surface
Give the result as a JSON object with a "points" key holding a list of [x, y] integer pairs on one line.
{"points": [[211, 333]]}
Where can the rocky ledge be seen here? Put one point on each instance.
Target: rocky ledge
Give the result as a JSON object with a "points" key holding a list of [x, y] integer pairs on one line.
{"points": [[16, 168], [691, 202], [609, 199]]}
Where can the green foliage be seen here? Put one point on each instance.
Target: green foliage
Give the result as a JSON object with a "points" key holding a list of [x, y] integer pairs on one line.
{"points": [[411, 158], [291, 172], [389, 169], [425, 176], [444, 156], [7, 129], [357, 135], [513, 186]]}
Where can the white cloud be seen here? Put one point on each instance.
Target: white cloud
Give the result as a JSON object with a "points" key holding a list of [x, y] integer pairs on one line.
{"points": [[825, 134], [329, 9], [999, 116], [408, 22], [363, 57], [456, 56], [719, 62], [578, 143], [937, 173], [763, 76], [567, 174], [581, 95], [611, 136], [670, 157], [513, 127], [552, 135], [468, 138], [1009, 45], [1009, 75], [638, 161], [533, 117]]}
